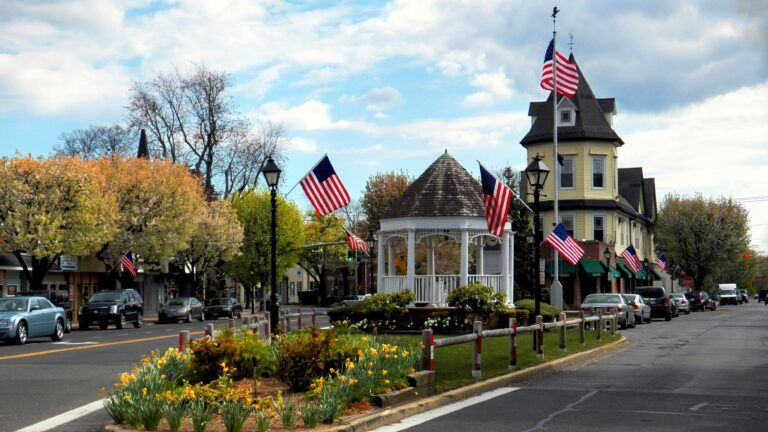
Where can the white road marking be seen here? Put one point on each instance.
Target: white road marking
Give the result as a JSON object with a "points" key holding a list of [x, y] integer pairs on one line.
{"points": [[72, 343], [443, 410], [699, 406], [67, 417]]}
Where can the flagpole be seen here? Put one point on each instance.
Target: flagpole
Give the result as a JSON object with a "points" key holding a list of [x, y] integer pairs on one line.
{"points": [[556, 298], [302, 177]]}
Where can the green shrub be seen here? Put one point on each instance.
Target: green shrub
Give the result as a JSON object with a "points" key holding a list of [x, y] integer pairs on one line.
{"points": [[286, 410], [256, 357], [522, 316], [234, 414], [245, 353], [445, 322], [310, 413], [377, 312], [341, 313], [548, 312], [301, 357], [478, 302], [200, 414], [263, 418], [174, 413]]}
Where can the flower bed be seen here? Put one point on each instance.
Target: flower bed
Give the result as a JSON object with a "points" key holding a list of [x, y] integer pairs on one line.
{"points": [[229, 383]]}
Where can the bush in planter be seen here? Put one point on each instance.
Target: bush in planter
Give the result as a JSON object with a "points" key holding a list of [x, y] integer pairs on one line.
{"points": [[522, 316], [302, 357], [377, 312], [548, 312], [244, 352], [445, 322], [478, 302]]}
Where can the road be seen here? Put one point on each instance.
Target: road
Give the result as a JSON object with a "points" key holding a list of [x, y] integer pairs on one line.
{"points": [[707, 371], [44, 379]]}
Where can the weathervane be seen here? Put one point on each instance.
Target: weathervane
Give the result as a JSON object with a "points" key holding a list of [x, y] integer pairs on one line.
{"points": [[571, 43]]}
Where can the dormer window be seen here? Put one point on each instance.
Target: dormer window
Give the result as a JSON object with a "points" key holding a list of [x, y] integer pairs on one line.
{"points": [[567, 117]]}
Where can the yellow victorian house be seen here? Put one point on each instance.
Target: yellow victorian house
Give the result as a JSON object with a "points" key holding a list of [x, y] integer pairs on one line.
{"points": [[604, 207]]}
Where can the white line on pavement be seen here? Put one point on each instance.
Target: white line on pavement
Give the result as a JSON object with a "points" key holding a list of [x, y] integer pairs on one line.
{"points": [[443, 410], [65, 418]]}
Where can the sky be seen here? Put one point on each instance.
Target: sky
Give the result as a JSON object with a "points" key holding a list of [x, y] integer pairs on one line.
{"points": [[390, 86]]}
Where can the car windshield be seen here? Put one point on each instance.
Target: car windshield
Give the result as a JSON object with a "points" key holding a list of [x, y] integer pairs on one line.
{"points": [[178, 302], [603, 298], [629, 298], [727, 292], [219, 302], [13, 305], [650, 292], [105, 296]]}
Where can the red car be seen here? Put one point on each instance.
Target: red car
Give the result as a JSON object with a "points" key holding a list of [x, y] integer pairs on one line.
{"points": [[700, 300]]}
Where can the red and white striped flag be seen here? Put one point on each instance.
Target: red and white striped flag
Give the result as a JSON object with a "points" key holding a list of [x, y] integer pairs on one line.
{"points": [[567, 74], [630, 256], [496, 196], [569, 248], [356, 243], [127, 263], [324, 189]]}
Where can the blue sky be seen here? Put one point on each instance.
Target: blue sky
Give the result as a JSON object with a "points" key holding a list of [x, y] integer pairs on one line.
{"points": [[384, 86]]}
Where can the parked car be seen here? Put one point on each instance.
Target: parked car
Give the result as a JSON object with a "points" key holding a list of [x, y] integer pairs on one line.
{"points": [[22, 318], [761, 294], [352, 299], [59, 298], [186, 308], [700, 300], [118, 307], [223, 307], [595, 303], [683, 305], [656, 298], [728, 296], [642, 310], [743, 296]]}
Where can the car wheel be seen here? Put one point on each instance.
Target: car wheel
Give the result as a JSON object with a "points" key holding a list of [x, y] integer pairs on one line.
{"points": [[82, 325], [240, 315], [687, 311], [21, 333], [139, 320], [624, 323], [231, 314], [202, 316], [649, 320], [58, 331], [188, 319], [668, 316], [103, 325], [121, 321]]}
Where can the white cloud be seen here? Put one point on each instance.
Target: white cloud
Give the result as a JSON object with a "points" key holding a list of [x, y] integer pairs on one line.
{"points": [[301, 145], [376, 99], [495, 87]]}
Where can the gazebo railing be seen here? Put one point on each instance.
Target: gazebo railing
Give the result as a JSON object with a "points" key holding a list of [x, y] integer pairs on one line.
{"points": [[435, 288], [488, 280]]}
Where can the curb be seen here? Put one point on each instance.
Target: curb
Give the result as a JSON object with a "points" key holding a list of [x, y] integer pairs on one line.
{"points": [[395, 414]]}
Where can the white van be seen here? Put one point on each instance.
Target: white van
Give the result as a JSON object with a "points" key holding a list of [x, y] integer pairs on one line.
{"points": [[729, 294]]}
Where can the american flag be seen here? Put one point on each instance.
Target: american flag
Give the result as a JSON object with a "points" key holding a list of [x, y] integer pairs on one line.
{"points": [[496, 196], [324, 189], [567, 75], [662, 262], [630, 256], [565, 244], [127, 262], [356, 243]]}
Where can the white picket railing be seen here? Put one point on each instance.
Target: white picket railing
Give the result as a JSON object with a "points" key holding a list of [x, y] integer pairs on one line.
{"points": [[435, 288]]}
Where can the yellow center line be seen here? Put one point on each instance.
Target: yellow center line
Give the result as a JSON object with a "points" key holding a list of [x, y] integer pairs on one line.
{"points": [[101, 345]]}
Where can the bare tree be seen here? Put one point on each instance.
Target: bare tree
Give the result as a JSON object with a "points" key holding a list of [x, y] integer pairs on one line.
{"points": [[243, 157], [97, 141]]}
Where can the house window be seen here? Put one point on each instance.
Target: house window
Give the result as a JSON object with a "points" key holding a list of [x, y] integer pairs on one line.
{"points": [[566, 173], [598, 171], [567, 117], [598, 227], [568, 223]]}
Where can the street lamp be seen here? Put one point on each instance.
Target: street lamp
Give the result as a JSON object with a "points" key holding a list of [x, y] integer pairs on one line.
{"points": [[371, 240], [537, 173], [608, 274], [272, 176]]}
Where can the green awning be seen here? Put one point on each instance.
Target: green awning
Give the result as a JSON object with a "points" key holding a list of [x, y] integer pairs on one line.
{"points": [[565, 267], [622, 265], [656, 272], [641, 274], [592, 267], [612, 269]]}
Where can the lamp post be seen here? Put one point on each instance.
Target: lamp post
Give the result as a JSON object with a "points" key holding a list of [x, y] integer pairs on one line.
{"points": [[371, 240], [272, 175], [608, 274], [647, 265], [537, 173]]}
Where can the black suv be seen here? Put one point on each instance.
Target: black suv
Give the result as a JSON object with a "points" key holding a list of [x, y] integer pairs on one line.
{"points": [[226, 307], [59, 298], [117, 307], [656, 297]]}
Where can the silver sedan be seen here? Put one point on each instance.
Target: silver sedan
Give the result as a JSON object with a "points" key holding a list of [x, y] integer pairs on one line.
{"points": [[607, 303], [641, 308]]}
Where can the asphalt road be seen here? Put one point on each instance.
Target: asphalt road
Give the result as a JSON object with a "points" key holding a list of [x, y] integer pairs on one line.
{"points": [[707, 371]]}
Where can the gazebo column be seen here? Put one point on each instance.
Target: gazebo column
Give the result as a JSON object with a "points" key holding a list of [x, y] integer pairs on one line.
{"points": [[464, 277], [430, 256], [411, 284], [505, 266], [480, 263], [380, 261]]}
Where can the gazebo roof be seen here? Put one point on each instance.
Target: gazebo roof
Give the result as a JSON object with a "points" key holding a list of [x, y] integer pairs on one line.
{"points": [[444, 189]]}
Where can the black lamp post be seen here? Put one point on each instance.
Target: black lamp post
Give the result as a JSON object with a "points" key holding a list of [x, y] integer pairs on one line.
{"points": [[371, 240], [537, 173], [647, 265], [607, 255], [272, 175]]}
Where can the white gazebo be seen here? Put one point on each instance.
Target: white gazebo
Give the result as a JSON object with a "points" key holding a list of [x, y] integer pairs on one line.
{"points": [[444, 202]]}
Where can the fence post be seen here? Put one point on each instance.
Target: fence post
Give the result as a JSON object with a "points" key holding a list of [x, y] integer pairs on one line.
{"points": [[513, 344], [540, 335], [613, 322], [183, 339], [209, 330], [267, 329], [428, 350], [562, 332], [599, 326], [477, 352], [314, 318], [582, 325], [298, 323]]}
